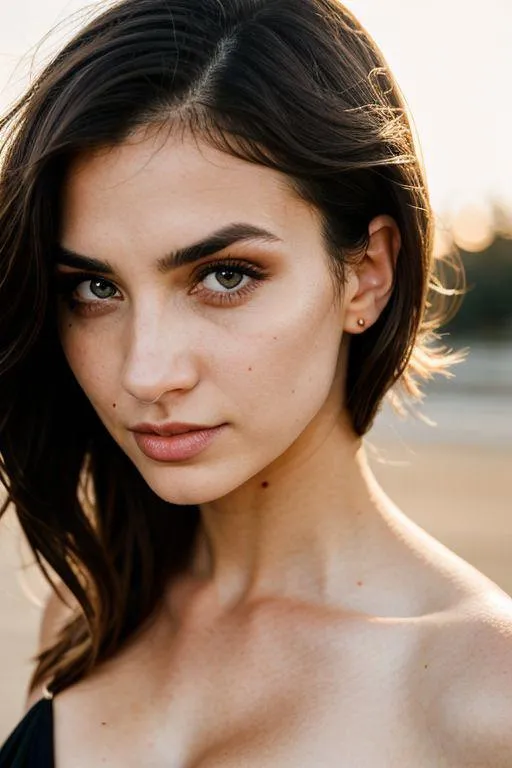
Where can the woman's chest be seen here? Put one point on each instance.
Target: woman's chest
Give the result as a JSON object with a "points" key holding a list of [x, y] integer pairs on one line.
{"points": [[305, 730], [225, 701], [312, 729]]}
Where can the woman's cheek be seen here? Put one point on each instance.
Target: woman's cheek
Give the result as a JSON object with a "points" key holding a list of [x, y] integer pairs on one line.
{"points": [[287, 382], [91, 367]]}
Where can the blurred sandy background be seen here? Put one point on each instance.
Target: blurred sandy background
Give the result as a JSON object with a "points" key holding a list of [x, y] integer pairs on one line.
{"points": [[454, 480]]}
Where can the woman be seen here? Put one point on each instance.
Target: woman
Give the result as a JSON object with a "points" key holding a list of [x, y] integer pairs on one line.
{"points": [[214, 221]]}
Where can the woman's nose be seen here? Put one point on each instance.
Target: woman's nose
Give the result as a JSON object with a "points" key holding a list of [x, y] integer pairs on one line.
{"points": [[160, 358]]}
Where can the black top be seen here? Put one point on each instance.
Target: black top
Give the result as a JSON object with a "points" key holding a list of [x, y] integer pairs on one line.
{"points": [[30, 745]]}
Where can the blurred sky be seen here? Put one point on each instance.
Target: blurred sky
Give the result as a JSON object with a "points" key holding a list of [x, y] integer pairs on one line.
{"points": [[452, 59]]}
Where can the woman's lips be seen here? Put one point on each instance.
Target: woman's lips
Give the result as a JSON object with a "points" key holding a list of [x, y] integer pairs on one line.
{"points": [[176, 447]]}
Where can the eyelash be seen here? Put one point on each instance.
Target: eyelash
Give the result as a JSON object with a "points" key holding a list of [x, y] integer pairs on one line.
{"points": [[67, 284]]}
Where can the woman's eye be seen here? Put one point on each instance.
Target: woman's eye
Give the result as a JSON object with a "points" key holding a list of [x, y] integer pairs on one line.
{"points": [[97, 288], [228, 281], [227, 278], [83, 292]]}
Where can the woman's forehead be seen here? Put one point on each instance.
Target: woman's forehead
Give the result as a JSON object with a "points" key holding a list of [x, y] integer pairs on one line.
{"points": [[178, 165], [178, 185]]}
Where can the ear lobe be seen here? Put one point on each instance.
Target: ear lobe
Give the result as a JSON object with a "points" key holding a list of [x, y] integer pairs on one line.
{"points": [[375, 275]]}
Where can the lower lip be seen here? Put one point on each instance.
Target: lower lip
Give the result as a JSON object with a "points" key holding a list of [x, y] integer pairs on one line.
{"points": [[176, 447]]}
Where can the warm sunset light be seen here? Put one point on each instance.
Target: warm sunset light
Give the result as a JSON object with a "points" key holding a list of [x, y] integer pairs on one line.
{"points": [[473, 228], [443, 241], [453, 62]]}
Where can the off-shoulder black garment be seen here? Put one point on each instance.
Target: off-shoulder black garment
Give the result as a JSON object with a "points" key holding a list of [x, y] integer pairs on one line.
{"points": [[30, 745]]}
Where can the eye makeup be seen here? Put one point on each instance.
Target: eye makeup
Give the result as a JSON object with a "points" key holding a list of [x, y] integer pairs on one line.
{"points": [[67, 284]]}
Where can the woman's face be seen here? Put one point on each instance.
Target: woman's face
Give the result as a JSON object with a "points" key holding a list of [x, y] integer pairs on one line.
{"points": [[248, 336]]}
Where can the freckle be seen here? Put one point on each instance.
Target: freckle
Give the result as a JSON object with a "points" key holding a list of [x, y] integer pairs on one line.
{"points": [[275, 338], [70, 325], [359, 583], [426, 665], [103, 722], [113, 405], [293, 391], [250, 369], [264, 484]]}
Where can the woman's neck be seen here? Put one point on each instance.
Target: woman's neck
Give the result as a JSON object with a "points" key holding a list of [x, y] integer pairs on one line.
{"points": [[305, 528]]}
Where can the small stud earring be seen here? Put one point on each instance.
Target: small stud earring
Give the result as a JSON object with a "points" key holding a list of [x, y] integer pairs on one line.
{"points": [[361, 321]]}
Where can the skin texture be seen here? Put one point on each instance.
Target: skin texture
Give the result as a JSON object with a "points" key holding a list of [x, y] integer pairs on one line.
{"points": [[314, 609]]}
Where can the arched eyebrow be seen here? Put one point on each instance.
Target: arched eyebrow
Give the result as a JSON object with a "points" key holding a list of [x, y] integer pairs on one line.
{"points": [[216, 241]]}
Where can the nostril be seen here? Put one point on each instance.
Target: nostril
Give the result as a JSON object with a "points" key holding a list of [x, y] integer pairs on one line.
{"points": [[150, 402]]}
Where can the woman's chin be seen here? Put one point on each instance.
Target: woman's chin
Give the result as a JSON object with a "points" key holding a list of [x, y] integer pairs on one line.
{"points": [[188, 492]]}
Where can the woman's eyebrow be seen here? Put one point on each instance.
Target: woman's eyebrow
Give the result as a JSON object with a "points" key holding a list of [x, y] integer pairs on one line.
{"points": [[216, 241]]}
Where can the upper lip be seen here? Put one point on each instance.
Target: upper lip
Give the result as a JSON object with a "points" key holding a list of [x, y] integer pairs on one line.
{"points": [[169, 428]]}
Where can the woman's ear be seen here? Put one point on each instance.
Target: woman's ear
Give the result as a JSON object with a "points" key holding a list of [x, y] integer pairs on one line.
{"points": [[371, 281]]}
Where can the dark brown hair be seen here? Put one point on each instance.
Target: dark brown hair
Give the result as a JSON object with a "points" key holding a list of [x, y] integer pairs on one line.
{"points": [[295, 85]]}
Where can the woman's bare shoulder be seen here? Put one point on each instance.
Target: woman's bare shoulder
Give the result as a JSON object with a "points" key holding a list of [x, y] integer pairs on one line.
{"points": [[471, 667], [58, 609]]}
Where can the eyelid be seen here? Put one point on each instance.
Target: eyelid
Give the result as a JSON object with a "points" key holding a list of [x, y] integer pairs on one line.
{"points": [[61, 268], [64, 276], [65, 280], [242, 265], [63, 271]]}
